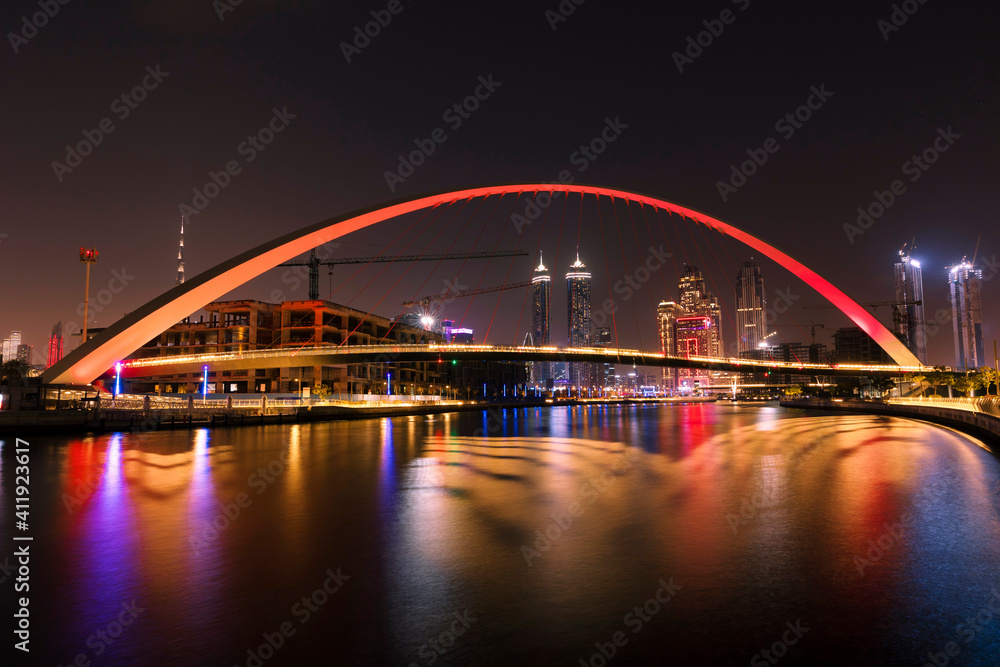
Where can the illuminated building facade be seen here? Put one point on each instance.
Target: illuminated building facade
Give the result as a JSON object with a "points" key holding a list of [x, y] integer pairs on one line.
{"points": [[604, 374], [578, 321], [909, 325], [10, 345], [698, 332], [965, 284], [666, 318], [541, 332], [750, 305], [55, 345]]}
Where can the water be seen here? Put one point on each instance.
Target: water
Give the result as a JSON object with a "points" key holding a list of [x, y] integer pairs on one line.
{"points": [[821, 539]]}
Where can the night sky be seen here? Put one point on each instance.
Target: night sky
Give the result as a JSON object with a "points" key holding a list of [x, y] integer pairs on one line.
{"points": [[211, 83]]}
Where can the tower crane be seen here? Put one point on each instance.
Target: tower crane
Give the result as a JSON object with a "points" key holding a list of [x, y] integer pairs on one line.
{"points": [[314, 262], [812, 330], [897, 316], [423, 301]]}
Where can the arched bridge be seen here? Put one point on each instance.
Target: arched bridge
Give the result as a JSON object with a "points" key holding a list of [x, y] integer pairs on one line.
{"points": [[96, 356]]}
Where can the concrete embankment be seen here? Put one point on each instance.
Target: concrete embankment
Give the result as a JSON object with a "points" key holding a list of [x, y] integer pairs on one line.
{"points": [[102, 421], [979, 424]]}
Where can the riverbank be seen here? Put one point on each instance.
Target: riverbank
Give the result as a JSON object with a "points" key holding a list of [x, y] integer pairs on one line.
{"points": [[970, 416], [108, 420]]}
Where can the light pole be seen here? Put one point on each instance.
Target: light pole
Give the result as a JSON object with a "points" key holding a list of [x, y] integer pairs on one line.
{"points": [[88, 256]]}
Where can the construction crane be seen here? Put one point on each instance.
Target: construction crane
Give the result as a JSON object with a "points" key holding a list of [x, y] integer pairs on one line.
{"points": [[812, 330], [314, 262], [469, 292], [897, 316]]}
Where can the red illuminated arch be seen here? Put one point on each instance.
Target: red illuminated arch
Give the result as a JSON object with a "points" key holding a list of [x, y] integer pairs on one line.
{"points": [[128, 334]]}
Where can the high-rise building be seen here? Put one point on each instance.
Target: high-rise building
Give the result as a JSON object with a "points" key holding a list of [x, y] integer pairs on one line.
{"points": [[24, 352], [55, 344], [578, 320], [695, 298], [698, 330], [541, 332], [965, 283], [459, 335], [750, 305], [666, 318], [10, 344], [909, 325], [604, 375], [852, 344]]}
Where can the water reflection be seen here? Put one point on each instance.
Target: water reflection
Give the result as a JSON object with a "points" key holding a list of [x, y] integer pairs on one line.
{"points": [[548, 523]]}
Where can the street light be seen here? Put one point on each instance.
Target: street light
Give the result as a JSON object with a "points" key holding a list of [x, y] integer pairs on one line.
{"points": [[204, 383], [118, 378]]}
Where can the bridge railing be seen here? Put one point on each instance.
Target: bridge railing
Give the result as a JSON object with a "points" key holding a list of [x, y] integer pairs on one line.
{"points": [[137, 402], [794, 367], [988, 405]]}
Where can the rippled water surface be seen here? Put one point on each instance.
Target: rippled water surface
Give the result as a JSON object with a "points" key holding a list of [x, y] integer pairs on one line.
{"points": [[699, 534]]}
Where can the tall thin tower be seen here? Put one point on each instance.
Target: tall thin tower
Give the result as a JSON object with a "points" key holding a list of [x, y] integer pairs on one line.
{"points": [[180, 256], [541, 333], [965, 283], [910, 296], [750, 306], [578, 320]]}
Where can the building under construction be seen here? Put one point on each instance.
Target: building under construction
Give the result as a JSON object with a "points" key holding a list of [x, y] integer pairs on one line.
{"points": [[238, 326]]}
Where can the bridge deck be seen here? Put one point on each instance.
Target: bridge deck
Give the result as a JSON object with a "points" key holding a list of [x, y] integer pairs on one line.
{"points": [[334, 355]]}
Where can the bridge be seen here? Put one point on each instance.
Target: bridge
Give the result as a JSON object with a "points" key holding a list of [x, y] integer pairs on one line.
{"points": [[331, 355], [95, 357]]}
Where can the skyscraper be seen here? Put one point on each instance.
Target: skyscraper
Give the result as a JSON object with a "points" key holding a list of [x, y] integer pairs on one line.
{"points": [[10, 345], [698, 330], [541, 333], [24, 352], [965, 287], [604, 375], [750, 306], [55, 344], [909, 325], [578, 317], [666, 318]]}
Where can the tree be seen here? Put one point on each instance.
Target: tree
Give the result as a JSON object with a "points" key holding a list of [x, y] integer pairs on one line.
{"points": [[793, 391], [936, 378], [979, 380], [881, 384], [988, 376], [919, 379], [321, 391], [963, 384], [14, 371]]}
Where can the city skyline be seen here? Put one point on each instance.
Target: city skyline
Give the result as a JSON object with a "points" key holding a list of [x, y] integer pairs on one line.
{"points": [[907, 277]]}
